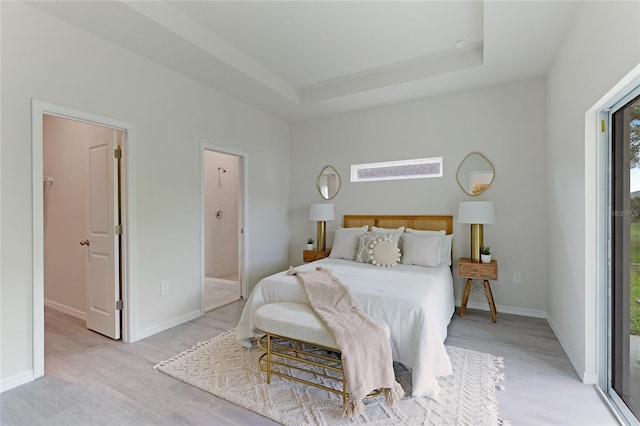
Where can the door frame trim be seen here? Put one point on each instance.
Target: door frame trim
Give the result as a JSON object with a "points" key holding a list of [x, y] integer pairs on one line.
{"points": [[243, 177], [38, 108]]}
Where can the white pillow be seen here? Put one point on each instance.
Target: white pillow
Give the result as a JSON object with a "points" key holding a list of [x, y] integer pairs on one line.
{"points": [[421, 250], [444, 257], [345, 242], [383, 252], [396, 233], [425, 232], [363, 228], [445, 250]]}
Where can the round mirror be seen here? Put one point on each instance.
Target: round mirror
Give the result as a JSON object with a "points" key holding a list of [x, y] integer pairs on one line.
{"points": [[328, 183], [475, 174]]}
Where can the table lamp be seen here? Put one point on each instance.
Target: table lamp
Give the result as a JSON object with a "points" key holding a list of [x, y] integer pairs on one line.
{"points": [[321, 212], [476, 213]]}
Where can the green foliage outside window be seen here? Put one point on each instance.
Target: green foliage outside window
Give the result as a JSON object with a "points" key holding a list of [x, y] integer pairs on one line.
{"points": [[635, 134], [635, 278]]}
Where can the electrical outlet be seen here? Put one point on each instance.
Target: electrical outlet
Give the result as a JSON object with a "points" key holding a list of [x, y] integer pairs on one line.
{"points": [[164, 288], [517, 278]]}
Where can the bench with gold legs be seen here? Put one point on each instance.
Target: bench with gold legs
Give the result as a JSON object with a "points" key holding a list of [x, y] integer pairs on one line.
{"points": [[293, 335]]}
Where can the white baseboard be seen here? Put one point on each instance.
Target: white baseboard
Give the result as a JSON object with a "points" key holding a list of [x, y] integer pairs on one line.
{"points": [[586, 376], [17, 380], [484, 306], [65, 309], [150, 331]]}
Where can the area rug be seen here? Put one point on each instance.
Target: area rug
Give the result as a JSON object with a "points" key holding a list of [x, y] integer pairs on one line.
{"points": [[224, 368]]}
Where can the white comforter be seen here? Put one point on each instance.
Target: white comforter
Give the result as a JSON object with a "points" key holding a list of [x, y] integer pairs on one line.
{"points": [[416, 302]]}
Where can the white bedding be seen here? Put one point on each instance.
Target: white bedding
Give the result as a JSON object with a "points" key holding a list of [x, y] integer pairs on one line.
{"points": [[416, 302]]}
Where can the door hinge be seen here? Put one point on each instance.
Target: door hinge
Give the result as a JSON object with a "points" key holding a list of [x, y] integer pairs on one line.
{"points": [[118, 229], [119, 305], [117, 153], [602, 126]]}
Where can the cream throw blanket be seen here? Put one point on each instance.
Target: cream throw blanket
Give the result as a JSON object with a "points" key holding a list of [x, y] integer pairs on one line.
{"points": [[365, 347]]}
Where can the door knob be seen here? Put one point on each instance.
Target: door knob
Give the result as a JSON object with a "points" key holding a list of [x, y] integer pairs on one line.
{"points": [[85, 243]]}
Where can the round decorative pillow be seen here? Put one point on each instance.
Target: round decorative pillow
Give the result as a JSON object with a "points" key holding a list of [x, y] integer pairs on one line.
{"points": [[383, 252]]}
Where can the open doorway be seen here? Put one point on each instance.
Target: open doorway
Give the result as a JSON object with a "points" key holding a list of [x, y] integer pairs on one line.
{"points": [[81, 207], [107, 240], [222, 199]]}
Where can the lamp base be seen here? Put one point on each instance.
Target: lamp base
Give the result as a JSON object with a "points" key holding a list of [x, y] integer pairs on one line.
{"points": [[477, 234], [322, 235]]}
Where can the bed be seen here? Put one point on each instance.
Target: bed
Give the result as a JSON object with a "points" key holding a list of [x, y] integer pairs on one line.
{"points": [[415, 301]]}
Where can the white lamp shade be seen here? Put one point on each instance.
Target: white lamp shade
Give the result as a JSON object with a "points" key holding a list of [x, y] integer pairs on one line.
{"points": [[473, 212], [321, 212]]}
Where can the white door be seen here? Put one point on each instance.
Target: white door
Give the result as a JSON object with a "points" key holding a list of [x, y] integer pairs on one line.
{"points": [[103, 276]]}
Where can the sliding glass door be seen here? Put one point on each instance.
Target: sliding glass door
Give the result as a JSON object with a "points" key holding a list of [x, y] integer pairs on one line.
{"points": [[624, 294]]}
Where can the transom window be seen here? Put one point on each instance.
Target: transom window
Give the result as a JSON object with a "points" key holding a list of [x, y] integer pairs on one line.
{"points": [[392, 170]]}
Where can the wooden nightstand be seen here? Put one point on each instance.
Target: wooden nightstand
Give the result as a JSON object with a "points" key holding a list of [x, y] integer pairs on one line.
{"points": [[471, 270], [311, 255]]}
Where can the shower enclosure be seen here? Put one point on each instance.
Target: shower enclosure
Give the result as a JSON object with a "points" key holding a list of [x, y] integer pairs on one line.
{"points": [[221, 228]]}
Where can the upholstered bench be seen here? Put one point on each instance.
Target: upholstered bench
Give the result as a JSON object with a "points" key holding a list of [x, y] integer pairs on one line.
{"points": [[293, 335]]}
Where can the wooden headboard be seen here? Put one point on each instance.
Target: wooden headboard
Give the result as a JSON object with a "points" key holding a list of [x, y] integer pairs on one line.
{"points": [[431, 223]]}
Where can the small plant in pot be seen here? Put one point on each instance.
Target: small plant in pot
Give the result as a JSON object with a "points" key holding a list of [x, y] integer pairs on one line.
{"points": [[485, 254], [310, 244]]}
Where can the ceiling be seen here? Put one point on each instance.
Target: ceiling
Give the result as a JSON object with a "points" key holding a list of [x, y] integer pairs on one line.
{"points": [[301, 59]]}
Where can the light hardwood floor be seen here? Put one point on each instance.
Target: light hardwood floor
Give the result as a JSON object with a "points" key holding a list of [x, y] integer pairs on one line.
{"points": [[216, 297], [90, 379]]}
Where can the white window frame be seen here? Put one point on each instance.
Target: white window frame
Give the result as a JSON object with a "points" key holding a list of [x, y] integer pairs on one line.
{"points": [[355, 168]]}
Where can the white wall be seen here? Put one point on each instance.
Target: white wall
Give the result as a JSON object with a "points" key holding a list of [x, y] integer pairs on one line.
{"points": [[221, 235], [65, 260], [46, 59], [601, 48], [506, 123]]}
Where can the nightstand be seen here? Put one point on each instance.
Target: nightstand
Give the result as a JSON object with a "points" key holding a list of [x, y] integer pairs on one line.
{"points": [[311, 255], [471, 270]]}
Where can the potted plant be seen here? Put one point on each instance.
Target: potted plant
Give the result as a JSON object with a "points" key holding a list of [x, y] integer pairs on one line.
{"points": [[485, 254], [310, 244]]}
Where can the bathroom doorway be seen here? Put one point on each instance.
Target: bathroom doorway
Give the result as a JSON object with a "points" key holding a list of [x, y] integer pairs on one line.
{"points": [[222, 227]]}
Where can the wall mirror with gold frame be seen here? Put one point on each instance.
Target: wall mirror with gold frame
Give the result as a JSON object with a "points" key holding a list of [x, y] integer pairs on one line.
{"points": [[475, 174], [328, 182]]}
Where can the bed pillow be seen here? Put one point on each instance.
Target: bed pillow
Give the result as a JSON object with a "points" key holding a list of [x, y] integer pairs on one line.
{"points": [[421, 250], [362, 254], [445, 250], [425, 232], [444, 257], [345, 242], [363, 228], [396, 233], [383, 252]]}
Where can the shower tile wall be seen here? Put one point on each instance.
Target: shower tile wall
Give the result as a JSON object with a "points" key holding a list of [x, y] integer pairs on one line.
{"points": [[221, 235]]}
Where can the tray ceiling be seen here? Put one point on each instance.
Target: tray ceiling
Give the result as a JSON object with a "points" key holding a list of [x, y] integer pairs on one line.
{"points": [[299, 59]]}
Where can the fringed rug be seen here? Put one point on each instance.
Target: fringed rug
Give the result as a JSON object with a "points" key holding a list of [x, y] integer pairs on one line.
{"points": [[224, 368]]}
